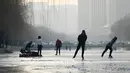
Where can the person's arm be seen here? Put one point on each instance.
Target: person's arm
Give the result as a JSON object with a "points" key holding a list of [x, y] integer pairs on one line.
{"points": [[42, 42], [78, 37], [56, 44], [86, 38], [61, 43]]}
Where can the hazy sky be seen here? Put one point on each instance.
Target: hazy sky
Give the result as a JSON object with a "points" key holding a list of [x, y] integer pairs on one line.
{"points": [[57, 2], [54, 16], [92, 14]]}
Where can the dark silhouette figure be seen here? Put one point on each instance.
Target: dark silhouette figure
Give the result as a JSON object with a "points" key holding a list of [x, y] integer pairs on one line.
{"points": [[28, 46], [81, 43], [66, 47], [22, 50], [6, 43], [58, 46], [109, 46], [39, 45], [2, 39]]}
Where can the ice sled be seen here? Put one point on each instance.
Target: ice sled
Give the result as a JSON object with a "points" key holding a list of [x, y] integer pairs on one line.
{"points": [[31, 54]]}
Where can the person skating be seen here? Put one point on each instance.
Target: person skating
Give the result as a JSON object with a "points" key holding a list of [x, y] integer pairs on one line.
{"points": [[81, 43], [58, 46], [109, 46]]}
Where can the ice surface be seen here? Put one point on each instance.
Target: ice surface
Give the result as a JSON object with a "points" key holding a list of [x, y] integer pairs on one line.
{"points": [[49, 63]]}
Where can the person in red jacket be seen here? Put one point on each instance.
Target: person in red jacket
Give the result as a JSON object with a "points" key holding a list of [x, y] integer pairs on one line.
{"points": [[58, 46]]}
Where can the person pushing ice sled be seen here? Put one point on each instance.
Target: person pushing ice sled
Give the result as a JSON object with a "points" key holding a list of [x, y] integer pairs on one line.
{"points": [[26, 52]]}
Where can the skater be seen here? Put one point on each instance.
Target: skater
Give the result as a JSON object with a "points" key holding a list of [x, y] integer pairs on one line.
{"points": [[81, 43], [39, 45], [58, 46], [109, 46]]}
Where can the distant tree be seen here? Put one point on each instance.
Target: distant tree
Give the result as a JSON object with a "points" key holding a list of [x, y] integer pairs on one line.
{"points": [[121, 28]]}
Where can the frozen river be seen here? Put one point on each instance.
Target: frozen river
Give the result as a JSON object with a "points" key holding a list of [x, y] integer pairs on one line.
{"points": [[49, 63]]}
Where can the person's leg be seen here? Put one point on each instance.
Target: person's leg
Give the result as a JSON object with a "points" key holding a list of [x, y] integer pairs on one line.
{"points": [[59, 50], [41, 50], [78, 47], [104, 51], [110, 54], [56, 50], [38, 50], [83, 47]]}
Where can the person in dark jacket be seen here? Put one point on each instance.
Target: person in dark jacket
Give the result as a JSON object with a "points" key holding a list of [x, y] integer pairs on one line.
{"points": [[58, 46], [81, 43], [39, 45], [28, 46], [109, 46]]}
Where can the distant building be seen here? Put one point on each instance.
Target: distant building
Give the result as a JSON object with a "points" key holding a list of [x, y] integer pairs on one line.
{"points": [[53, 16], [92, 14], [96, 16]]}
